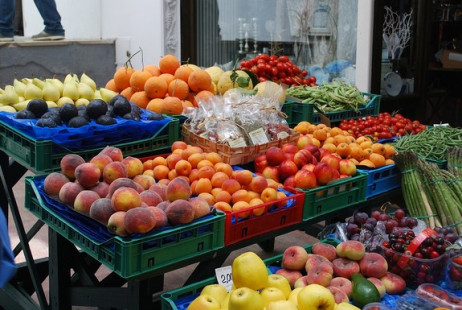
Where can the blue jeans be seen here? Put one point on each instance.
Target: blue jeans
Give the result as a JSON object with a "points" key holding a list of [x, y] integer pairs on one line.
{"points": [[46, 8]]}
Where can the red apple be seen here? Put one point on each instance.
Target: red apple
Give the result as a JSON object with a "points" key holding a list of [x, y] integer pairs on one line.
{"points": [[305, 179], [332, 160], [275, 156], [323, 152], [286, 169], [271, 173], [289, 147], [303, 141], [260, 163], [309, 167], [289, 181], [289, 156], [325, 173]]}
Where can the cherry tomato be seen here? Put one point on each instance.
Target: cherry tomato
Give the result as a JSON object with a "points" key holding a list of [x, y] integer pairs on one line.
{"points": [[283, 58], [312, 79]]}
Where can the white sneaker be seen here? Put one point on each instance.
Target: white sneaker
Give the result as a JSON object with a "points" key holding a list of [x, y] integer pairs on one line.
{"points": [[45, 36]]}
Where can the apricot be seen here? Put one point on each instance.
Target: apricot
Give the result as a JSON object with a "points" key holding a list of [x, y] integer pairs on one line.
{"points": [[231, 186]]}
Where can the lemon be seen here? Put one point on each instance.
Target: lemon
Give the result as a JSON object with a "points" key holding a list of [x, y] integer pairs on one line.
{"points": [[249, 270], [272, 90]]}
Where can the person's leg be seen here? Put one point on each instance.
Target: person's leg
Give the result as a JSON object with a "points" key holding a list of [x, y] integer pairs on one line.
{"points": [[51, 17], [6, 18]]}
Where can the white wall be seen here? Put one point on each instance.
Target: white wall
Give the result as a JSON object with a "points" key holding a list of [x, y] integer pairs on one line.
{"points": [[133, 23]]}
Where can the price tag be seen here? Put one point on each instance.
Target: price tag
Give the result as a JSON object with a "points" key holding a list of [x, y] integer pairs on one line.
{"points": [[258, 136], [224, 277], [441, 125], [204, 135], [239, 142], [282, 135]]}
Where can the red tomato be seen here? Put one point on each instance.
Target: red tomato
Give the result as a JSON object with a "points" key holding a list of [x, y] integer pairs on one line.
{"points": [[312, 79], [304, 73], [283, 58]]}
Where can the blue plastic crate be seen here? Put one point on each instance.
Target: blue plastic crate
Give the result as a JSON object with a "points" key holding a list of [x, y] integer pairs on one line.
{"points": [[382, 180]]}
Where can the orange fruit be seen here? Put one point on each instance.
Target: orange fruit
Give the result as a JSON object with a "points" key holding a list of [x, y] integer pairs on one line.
{"points": [[389, 162], [127, 92], [155, 105], [377, 159], [200, 80], [223, 206], [138, 78], [366, 144], [340, 139], [329, 140], [330, 147], [343, 149], [172, 106], [335, 131], [167, 77], [178, 88], [389, 150], [140, 99], [363, 139], [122, 77], [111, 85], [169, 64], [378, 148], [204, 95], [187, 104], [156, 87], [183, 73], [367, 163], [320, 134], [153, 69]]}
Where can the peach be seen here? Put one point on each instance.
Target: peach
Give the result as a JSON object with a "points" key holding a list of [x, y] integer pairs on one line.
{"points": [[379, 285], [294, 258], [101, 210], [240, 208], [191, 150], [53, 183], [115, 224], [145, 181], [394, 284], [317, 260], [172, 174], [160, 215], [163, 205], [113, 152], [194, 175], [195, 158], [351, 249], [258, 184], [223, 196], [151, 198], [102, 189], [206, 172], [178, 189], [183, 167], [172, 159], [231, 186], [101, 160], [216, 190], [344, 267], [139, 221], [87, 174], [319, 274], [204, 163], [159, 161], [373, 265], [125, 198], [121, 182], [339, 295], [159, 189], [113, 171], [291, 275], [139, 188], [179, 145], [289, 147], [223, 167], [164, 182], [68, 164], [180, 212], [303, 141], [244, 177], [213, 157], [343, 284], [240, 195], [84, 200], [68, 192], [301, 282], [332, 160], [203, 185], [223, 206], [218, 178], [207, 197], [346, 166], [269, 194], [201, 207], [324, 249], [271, 172], [133, 165], [256, 202]]}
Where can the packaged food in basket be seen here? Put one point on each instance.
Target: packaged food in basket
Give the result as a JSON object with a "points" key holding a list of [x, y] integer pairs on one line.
{"points": [[439, 295]]}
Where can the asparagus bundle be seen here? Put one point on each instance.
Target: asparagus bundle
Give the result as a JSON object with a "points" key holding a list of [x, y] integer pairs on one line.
{"points": [[455, 161]]}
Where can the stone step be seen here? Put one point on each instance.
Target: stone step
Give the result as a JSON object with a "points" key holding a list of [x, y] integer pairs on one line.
{"points": [[25, 58]]}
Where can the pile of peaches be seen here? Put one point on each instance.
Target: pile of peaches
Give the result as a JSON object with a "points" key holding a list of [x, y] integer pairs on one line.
{"points": [[332, 267], [209, 178], [363, 151]]}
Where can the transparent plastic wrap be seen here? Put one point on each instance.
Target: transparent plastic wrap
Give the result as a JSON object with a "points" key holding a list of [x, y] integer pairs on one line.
{"points": [[274, 120], [248, 116], [228, 132], [440, 296]]}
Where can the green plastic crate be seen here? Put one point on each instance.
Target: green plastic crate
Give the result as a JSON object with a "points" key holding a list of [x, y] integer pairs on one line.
{"points": [[45, 156], [132, 257], [335, 196], [287, 108], [307, 112], [181, 119], [180, 298]]}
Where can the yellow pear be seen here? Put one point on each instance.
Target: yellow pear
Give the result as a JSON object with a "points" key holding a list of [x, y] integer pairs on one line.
{"points": [[21, 105], [10, 96], [81, 101], [50, 92], [281, 305], [58, 84], [38, 82], [217, 291], [26, 80], [97, 95], [51, 104], [204, 302], [19, 87], [215, 72], [68, 78], [270, 294], [249, 270], [88, 80], [244, 298], [1, 91], [85, 91], [32, 91], [107, 94], [7, 108], [280, 282], [64, 100], [71, 90], [76, 78]]}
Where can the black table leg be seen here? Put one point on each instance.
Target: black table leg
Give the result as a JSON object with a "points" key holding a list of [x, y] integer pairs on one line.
{"points": [[59, 271]]}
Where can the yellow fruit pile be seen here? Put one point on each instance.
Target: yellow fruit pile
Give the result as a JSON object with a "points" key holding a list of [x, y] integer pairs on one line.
{"points": [[362, 151]]}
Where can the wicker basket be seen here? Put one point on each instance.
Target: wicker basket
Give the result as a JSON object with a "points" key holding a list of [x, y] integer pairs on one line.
{"points": [[236, 155]]}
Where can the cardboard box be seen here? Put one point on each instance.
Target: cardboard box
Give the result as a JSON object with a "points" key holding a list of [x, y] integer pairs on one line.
{"points": [[451, 59]]}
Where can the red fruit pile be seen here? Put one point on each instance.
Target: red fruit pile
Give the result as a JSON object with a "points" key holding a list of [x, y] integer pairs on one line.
{"points": [[383, 126], [278, 69]]}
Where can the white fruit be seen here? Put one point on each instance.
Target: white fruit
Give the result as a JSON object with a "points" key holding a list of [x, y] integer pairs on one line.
{"points": [[85, 91], [19, 87]]}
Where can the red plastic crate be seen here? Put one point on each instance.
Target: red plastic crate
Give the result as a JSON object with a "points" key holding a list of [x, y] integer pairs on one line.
{"points": [[276, 215]]}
